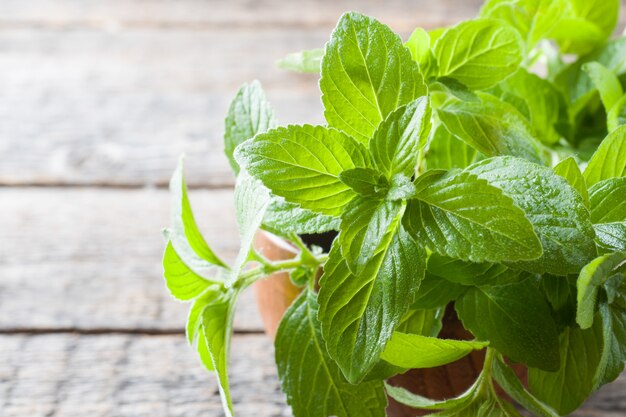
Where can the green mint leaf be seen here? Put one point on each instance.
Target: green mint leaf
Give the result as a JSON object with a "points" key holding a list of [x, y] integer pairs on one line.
{"points": [[303, 61], [445, 151], [306, 370], [469, 273], [616, 116], [419, 45], [576, 83], [561, 294], [249, 114], [366, 74], [282, 218], [367, 225], [358, 312], [451, 212], [592, 277], [479, 53], [586, 24], [284, 158], [614, 334], [568, 169], [217, 328], [365, 181], [555, 209], [533, 19], [506, 378], [609, 160], [567, 388], [426, 322], [405, 397], [606, 82], [612, 235], [417, 351], [538, 99], [437, 292], [491, 126], [184, 233], [398, 140], [515, 319], [193, 329], [182, 282], [251, 201], [608, 201]]}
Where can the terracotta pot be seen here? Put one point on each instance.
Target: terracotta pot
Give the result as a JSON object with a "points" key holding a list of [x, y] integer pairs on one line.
{"points": [[275, 294]]}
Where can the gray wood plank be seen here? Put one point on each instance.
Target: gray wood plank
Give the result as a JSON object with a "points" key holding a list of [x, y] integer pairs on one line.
{"points": [[132, 375], [402, 14], [91, 259], [117, 103]]}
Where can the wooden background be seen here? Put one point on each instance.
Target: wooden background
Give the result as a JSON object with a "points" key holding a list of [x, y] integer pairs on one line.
{"points": [[97, 101]]}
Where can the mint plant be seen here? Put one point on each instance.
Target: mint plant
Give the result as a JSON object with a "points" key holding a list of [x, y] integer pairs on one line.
{"points": [[470, 166]]}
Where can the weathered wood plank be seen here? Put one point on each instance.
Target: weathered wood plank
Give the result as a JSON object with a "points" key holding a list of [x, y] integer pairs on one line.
{"points": [[200, 14], [126, 375], [117, 104], [89, 258], [131, 375]]}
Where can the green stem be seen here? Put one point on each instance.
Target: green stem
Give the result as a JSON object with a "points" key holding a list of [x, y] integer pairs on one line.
{"points": [[250, 276]]}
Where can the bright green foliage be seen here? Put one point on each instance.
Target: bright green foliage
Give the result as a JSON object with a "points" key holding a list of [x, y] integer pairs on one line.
{"points": [[479, 53], [592, 277], [537, 99], [358, 312], [609, 161], [555, 209], [515, 319], [533, 19], [417, 351], [617, 114], [606, 82], [283, 157], [567, 388], [303, 61], [607, 199], [569, 169], [281, 217], [450, 211], [399, 138], [490, 125], [249, 114], [366, 74], [419, 44], [183, 283], [184, 235], [453, 174], [612, 235], [305, 370], [506, 378], [446, 151]]}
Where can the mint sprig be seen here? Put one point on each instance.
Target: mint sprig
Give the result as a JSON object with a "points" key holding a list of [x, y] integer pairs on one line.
{"points": [[454, 175]]}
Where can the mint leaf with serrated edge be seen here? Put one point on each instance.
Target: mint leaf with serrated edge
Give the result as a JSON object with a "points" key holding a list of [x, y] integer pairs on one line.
{"points": [[451, 210], [364, 78], [299, 341], [369, 304], [249, 113], [283, 157], [454, 206]]}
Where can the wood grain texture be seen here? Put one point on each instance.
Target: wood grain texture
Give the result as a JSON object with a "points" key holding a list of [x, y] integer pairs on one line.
{"points": [[91, 259], [116, 103], [132, 375], [402, 14]]}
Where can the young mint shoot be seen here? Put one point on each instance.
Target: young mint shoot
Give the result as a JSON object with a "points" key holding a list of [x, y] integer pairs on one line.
{"points": [[468, 167]]}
